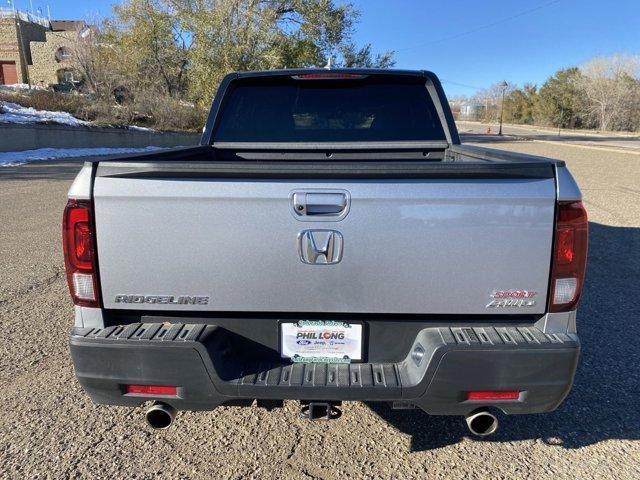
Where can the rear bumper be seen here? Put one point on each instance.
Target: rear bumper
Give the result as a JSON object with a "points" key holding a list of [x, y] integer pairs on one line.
{"points": [[441, 366]]}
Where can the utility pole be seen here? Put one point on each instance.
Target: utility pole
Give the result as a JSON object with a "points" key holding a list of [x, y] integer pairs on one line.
{"points": [[503, 86], [486, 109]]}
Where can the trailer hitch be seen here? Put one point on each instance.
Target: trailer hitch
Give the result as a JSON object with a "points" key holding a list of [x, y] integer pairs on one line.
{"points": [[313, 410]]}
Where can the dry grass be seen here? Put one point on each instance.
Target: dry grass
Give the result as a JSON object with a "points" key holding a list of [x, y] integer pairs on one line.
{"points": [[152, 111]]}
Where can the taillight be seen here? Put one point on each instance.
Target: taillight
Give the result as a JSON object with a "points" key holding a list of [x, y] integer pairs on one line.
{"points": [[569, 256], [78, 241]]}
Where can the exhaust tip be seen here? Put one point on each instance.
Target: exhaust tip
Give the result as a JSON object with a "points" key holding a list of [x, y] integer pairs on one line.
{"points": [[482, 423], [160, 416]]}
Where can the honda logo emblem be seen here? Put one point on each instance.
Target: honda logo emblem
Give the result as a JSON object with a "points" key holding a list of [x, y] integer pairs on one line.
{"points": [[320, 247]]}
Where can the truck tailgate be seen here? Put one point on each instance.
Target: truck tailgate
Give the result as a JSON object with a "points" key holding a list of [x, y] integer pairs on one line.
{"points": [[428, 246]]}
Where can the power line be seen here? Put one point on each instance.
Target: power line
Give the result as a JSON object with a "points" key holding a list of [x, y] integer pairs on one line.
{"points": [[482, 27], [475, 87]]}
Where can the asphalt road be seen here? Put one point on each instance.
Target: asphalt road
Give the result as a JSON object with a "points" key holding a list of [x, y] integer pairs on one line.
{"points": [[50, 429], [616, 141]]}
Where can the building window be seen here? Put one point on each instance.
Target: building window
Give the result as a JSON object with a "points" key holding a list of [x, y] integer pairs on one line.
{"points": [[67, 76], [63, 54]]}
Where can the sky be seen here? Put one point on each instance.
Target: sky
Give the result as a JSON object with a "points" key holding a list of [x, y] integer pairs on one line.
{"points": [[469, 44]]}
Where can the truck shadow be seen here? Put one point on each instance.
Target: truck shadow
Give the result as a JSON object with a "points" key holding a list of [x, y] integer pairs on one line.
{"points": [[605, 400]]}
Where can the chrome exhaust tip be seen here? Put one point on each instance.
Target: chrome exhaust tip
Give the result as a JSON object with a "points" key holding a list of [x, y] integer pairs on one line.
{"points": [[160, 416], [482, 422]]}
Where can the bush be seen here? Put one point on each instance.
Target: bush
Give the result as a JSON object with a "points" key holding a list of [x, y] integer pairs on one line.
{"points": [[143, 109], [166, 113]]}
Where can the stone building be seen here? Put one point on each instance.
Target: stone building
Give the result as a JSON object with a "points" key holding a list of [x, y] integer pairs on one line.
{"points": [[51, 59], [17, 30], [37, 51]]}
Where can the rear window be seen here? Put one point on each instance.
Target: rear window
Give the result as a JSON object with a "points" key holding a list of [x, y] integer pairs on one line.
{"points": [[282, 109]]}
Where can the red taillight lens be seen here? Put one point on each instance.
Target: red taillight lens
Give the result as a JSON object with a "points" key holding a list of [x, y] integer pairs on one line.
{"points": [[79, 253], [152, 390], [493, 395], [569, 256], [565, 251], [83, 243]]}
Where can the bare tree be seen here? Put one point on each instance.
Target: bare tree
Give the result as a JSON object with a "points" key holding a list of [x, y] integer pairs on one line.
{"points": [[610, 85], [86, 59], [489, 100]]}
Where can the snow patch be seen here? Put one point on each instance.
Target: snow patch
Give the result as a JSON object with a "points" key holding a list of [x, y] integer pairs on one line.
{"points": [[140, 129], [12, 159], [16, 87], [14, 113]]}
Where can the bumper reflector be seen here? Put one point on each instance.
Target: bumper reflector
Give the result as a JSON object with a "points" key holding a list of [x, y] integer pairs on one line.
{"points": [[152, 390], [493, 395]]}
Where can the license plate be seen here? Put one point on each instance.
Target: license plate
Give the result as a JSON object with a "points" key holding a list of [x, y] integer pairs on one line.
{"points": [[312, 341]]}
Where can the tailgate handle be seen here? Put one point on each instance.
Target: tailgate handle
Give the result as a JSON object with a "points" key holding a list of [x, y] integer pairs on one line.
{"points": [[319, 204]]}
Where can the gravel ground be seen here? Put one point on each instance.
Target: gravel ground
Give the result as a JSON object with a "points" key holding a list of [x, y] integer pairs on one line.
{"points": [[50, 429]]}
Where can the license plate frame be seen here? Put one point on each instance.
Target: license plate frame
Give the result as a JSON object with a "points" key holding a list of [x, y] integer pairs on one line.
{"points": [[325, 344]]}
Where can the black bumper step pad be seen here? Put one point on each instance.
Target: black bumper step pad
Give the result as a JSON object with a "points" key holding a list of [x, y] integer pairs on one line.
{"points": [[356, 375], [185, 332], [318, 380]]}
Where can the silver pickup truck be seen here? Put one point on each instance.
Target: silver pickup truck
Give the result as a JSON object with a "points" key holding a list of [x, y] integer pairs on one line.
{"points": [[329, 240]]}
